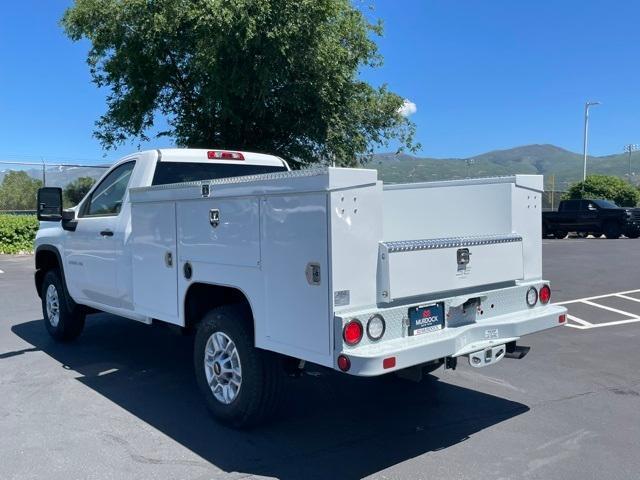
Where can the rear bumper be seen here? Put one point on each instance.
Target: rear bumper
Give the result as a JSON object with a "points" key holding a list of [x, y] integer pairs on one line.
{"points": [[452, 341]]}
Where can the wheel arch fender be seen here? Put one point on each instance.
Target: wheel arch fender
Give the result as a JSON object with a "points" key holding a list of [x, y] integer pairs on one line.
{"points": [[201, 297], [47, 257]]}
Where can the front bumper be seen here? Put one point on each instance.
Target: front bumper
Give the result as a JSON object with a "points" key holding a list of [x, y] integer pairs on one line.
{"points": [[367, 360]]}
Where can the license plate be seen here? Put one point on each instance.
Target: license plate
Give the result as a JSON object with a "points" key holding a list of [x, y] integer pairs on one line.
{"points": [[426, 319]]}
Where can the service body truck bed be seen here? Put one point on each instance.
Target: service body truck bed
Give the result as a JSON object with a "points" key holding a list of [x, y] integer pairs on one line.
{"points": [[335, 268]]}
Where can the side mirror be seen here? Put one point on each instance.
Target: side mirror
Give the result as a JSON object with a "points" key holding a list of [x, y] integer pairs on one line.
{"points": [[50, 204]]}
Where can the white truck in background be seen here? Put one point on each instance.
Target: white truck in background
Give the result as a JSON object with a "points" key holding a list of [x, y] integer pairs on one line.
{"points": [[271, 267]]}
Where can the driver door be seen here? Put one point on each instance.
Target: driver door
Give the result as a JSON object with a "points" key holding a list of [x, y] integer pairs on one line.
{"points": [[90, 253]]}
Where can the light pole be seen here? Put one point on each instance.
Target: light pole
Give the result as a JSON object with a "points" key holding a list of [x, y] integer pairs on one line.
{"points": [[586, 135], [469, 161], [632, 147]]}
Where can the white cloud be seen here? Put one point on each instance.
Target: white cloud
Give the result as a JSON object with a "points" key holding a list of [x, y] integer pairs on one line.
{"points": [[408, 108]]}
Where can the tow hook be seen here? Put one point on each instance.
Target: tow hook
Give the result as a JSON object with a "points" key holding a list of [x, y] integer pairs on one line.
{"points": [[488, 356]]}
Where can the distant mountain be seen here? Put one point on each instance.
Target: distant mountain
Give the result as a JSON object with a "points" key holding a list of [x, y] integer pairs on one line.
{"points": [[559, 166]]}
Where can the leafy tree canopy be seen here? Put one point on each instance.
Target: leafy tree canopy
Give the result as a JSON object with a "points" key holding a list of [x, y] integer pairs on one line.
{"points": [[607, 188], [18, 191], [76, 190], [276, 76]]}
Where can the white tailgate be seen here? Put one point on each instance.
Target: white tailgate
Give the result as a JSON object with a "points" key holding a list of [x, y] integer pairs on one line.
{"points": [[418, 267]]}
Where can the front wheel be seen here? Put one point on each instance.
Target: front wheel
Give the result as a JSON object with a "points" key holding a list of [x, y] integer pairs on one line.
{"points": [[63, 318], [560, 234], [633, 234], [241, 383]]}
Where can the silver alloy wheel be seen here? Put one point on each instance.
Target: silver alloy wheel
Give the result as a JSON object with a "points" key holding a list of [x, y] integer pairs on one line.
{"points": [[222, 367], [53, 307]]}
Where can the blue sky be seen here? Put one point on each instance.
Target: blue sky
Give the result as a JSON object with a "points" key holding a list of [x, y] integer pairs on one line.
{"points": [[484, 75]]}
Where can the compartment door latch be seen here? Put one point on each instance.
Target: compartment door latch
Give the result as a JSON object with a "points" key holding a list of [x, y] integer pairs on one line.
{"points": [[214, 217], [464, 256]]}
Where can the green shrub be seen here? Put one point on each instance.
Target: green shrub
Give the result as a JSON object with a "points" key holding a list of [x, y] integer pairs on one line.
{"points": [[607, 188], [17, 233]]}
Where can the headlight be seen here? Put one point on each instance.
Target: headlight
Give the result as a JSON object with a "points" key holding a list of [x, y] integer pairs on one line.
{"points": [[375, 327]]}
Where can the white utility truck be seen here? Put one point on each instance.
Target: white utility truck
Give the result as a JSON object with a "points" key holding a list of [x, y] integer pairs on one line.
{"points": [[273, 268]]}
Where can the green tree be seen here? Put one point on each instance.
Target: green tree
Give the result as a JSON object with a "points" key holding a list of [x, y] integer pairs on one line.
{"points": [[278, 76], [75, 191], [605, 187], [18, 191]]}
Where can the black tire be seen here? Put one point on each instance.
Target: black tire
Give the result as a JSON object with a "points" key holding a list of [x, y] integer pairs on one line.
{"points": [[595, 234], [633, 234], [582, 234], [560, 234], [69, 322], [257, 397], [612, 230]]}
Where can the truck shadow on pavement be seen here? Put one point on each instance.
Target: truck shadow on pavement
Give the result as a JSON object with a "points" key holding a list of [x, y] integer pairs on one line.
{"points": [[331, 425]]}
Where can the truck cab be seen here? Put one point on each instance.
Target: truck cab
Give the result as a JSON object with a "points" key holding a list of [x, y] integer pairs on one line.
{"points": [[93, 246]]}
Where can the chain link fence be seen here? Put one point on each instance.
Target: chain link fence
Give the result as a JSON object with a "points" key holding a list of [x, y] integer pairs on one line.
{"points": [[19, 182]]}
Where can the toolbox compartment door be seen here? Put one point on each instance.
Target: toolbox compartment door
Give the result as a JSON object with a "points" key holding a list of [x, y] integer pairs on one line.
{"points": [[418, 267], [155, 276]]}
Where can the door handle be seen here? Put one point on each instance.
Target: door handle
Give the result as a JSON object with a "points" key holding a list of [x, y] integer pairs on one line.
{"points": [[106, 233]]}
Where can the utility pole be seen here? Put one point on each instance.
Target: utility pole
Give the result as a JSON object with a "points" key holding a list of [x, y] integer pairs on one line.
{"points": [[632, 147], [586, 135]]}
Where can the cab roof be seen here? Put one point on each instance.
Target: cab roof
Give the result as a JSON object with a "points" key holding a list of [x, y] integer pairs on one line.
{"points": [[213, 155]]}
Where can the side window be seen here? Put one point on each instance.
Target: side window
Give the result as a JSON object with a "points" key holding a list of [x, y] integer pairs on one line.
{"points": [[107, 198]]}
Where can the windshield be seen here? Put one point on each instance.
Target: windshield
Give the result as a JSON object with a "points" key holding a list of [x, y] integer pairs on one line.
{"points": [[605, 204], [178, 172]]}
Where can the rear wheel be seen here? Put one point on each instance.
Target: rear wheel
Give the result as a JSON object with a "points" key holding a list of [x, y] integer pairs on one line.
{"points": [[241, 383], [560, 234], [612, 230], [63, 318], [633, 234]]}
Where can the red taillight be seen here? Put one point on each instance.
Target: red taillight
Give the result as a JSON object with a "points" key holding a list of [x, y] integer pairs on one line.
{"points": [[344, 363], [352, 332], [545, 294], [224, 155], [389, 362], [562, 318]]}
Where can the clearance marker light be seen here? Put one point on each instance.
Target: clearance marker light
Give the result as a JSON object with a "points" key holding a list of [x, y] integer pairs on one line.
{"points": [[344, 363], [389, 362]]}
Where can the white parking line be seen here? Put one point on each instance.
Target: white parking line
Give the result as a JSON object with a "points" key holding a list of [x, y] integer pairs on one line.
{"points": [[614, 310], [598, 296], [584, 325], [581, 324], [579, 320], [626, 297], [1, 271]]}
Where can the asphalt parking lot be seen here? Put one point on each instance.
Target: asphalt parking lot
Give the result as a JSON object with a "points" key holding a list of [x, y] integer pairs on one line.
{"points": [[121, 402]]}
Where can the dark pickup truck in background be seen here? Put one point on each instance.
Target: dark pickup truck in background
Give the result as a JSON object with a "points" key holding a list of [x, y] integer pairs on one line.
{"points": [[591, 217]]}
